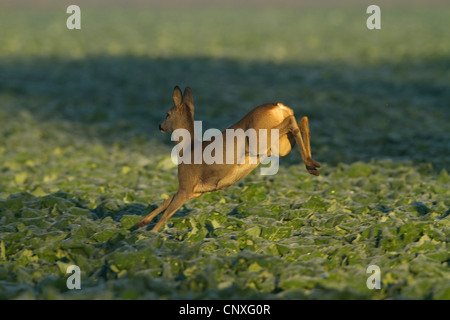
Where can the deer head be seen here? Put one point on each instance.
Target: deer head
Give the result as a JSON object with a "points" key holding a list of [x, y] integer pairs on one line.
{"points": [[181, 115]]}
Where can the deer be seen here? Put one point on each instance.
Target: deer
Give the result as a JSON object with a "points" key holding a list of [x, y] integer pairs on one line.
{"points": [[195, 179]]}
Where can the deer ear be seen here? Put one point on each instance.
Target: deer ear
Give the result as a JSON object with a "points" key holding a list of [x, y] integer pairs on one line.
{"points": [[188, 98], [177, 96]]}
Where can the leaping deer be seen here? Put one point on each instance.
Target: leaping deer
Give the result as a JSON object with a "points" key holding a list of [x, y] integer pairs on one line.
{"points": [[194, 179]]}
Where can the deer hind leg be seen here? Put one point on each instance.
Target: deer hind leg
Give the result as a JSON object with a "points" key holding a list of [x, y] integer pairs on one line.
{"points": [[306, 134], [290, 126]]}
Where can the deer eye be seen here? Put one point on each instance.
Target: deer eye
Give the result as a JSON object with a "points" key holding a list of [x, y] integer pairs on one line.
{"points": [[167, 115]]}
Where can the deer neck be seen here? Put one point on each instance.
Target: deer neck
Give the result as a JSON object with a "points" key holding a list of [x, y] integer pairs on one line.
{"points": [[188, 140]]}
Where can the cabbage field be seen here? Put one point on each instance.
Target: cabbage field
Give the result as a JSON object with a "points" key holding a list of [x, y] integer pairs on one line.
{"points": [[82, 159]]}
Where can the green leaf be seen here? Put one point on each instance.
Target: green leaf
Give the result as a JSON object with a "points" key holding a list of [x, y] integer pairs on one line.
{"points": [[105, 235], [359, 169], [253, 231], [254, 267], [316, 203], [443, 177], [20, 177], [129, 221]]}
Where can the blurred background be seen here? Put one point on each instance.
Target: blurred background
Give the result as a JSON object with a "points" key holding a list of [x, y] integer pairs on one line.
{"points": [[380, 94], [82, 159]]}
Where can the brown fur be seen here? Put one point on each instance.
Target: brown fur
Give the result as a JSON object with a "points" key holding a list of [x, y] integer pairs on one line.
{"points": [[196, 179]]}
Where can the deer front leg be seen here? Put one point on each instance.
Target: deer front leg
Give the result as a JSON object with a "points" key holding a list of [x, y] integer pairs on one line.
{"points": [[145, 221], [178, 199]]}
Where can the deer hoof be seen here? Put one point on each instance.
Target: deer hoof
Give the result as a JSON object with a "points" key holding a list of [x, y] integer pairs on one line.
{"points": [[312, 170]]}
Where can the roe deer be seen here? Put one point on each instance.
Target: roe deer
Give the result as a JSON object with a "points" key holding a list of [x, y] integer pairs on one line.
{"points": [[196, 178]]}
